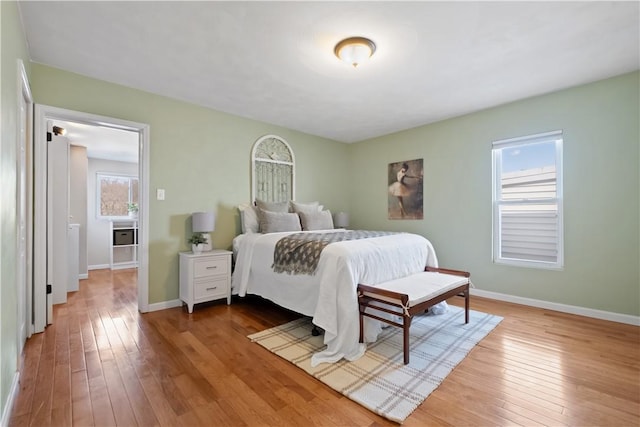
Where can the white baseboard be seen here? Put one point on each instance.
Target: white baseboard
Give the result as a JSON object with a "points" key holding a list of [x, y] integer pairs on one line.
{"points": [[124, 265], [83, 276], [564, 308], [98, 267], [164, 305], [15, 386]]}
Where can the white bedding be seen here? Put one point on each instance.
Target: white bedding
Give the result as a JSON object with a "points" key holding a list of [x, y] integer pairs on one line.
{"points": [[329, 296]]}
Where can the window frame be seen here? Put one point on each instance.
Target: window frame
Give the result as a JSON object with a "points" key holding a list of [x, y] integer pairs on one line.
{"points": [[272, 152], [99, 176], [496, 154]]}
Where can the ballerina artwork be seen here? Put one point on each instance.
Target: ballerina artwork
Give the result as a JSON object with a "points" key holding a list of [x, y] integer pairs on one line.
{"points": [[405, 189]]}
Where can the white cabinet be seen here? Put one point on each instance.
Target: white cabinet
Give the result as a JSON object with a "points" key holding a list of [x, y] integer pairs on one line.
{"points": [[123, 248], [73, 246], [205, 277]]}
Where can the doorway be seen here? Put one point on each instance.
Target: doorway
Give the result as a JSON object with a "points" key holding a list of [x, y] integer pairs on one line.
{"points": [[103, 194], [44, 114]]}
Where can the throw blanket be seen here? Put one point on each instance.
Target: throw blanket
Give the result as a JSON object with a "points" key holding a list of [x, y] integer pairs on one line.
{"points": [[300, 253]]}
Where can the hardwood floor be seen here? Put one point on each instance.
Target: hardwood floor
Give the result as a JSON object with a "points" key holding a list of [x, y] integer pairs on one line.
{"points": [[103, 363]]}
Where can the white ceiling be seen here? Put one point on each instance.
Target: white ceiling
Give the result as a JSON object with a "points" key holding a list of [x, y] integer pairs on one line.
{"points": [[274, 61]]}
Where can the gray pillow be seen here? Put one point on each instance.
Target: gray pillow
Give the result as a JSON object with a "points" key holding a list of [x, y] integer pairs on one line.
{"points": [[273, 206], [273, 222], [249, 219], [305, 207], [316, 220]]}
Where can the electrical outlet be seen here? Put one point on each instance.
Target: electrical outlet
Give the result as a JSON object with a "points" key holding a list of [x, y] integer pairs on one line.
{"points": [[160, 194]]}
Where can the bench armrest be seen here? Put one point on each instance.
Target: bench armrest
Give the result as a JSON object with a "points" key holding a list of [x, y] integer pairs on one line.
{"points": [[448, 271], [362, 289]]}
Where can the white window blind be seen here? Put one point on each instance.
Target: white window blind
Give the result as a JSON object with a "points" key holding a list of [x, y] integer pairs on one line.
{"points": [[527, 201]]}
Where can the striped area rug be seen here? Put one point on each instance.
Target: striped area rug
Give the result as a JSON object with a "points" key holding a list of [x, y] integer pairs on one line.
{"points": [[379, 380]]}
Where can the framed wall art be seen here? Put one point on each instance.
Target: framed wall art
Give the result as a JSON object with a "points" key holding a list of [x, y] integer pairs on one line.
{"points": [[405, 191]]}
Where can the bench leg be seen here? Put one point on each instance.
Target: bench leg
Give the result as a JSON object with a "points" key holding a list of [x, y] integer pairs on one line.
{"points": [[361, 325], [406, 324], [466, 306]]}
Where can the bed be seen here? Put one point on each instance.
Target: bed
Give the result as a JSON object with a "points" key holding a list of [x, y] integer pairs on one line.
{"points": [[329, 295]]}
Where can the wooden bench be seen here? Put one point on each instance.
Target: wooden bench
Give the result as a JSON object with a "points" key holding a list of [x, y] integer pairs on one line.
{"points": [[412, 295]]}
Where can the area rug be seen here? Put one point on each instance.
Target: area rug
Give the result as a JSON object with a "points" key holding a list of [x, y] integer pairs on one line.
{"points": [[379, 380]]}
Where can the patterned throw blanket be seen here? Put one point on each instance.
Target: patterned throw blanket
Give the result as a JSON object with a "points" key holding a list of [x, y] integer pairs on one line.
{"points": [[300, 253]]}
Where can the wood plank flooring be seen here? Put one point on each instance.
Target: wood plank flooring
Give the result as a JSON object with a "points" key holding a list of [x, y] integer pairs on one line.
{"points": [[102, 363]]}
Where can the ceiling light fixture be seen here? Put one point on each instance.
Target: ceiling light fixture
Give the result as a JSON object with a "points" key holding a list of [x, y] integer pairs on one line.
{"points": [[355, 50]]}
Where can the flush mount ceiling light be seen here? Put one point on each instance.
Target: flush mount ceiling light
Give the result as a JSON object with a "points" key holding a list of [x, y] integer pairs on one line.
{"points": [[355, 50]]}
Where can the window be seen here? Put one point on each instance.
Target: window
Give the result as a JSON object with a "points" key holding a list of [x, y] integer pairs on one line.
{"points": [[115, 194], [527, 201]]}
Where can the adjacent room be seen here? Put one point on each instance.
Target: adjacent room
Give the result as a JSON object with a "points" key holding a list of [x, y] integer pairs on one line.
{"points": [[320, 213]]}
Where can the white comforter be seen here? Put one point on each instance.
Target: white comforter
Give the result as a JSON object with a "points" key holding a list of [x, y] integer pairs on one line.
{"points": [[329, 296]]}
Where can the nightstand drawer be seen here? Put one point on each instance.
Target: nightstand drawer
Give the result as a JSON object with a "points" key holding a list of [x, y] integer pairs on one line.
{"points": [[210, 267], [210, 289]]}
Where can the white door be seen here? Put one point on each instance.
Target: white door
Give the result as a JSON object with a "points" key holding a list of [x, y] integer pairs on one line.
{"points": [[57, 219]]}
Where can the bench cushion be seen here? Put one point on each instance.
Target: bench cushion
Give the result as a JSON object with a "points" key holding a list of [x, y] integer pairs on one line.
{"points": [[420, 287]]}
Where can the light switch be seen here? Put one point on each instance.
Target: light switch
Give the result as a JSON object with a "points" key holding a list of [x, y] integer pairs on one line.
{"points": [[160, 193]]}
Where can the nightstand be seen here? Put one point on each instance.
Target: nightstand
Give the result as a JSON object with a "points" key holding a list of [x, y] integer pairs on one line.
{"points": [[205, 277]]}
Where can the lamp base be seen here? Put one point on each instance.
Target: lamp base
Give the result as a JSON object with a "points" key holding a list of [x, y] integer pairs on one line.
{"points": [[206, 246]]}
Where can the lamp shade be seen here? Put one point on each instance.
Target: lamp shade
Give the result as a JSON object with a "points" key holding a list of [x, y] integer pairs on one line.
{"points": [[203, 222], [341, 220]]}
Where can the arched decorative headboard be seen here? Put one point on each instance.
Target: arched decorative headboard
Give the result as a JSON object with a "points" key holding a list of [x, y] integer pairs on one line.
{"points": [[273, 169]]}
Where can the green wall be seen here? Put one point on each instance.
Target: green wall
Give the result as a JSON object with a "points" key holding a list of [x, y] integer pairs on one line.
{"points": [[601, 192], [201, 157], [13, 47]]}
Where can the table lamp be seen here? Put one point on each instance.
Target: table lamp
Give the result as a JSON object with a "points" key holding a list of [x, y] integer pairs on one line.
{"points": [[341, 220], [203, 222]]}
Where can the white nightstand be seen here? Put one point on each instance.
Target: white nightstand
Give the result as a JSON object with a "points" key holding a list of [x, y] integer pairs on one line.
{"points": [[205, 277]]}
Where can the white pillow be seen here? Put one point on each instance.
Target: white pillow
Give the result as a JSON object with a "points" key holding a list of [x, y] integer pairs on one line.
{"points": [[273, 222], [316, 220], [249, 219], [305, 207]]}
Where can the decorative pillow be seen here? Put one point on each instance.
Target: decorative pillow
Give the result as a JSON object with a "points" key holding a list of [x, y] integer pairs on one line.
{"points": [[249, 218], [273, 222], [316, 220], [273, 206], [305, 207]]}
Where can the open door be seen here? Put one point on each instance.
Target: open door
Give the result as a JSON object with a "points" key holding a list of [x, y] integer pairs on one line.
{"points": [[51, 225], [57, 218]]}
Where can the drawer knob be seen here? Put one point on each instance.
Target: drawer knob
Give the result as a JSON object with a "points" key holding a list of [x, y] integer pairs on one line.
{"points": [[212, 268], [210, 289]]}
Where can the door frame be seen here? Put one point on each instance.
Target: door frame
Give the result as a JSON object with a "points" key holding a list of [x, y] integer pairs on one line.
{"points": [[24, 201], [42, 114]]}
